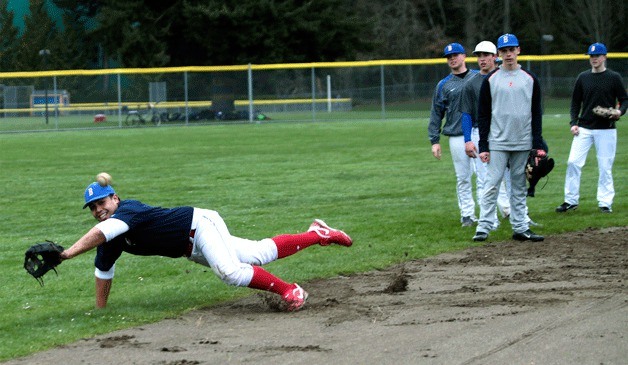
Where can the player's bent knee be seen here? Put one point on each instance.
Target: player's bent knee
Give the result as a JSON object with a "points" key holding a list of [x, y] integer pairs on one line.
{"points": [[239, 277], [255, 252]]}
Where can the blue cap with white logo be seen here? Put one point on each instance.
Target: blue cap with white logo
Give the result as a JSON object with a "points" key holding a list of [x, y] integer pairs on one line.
{"points": [[96, 192], [507, 40], [453, 48], [596, 49]]}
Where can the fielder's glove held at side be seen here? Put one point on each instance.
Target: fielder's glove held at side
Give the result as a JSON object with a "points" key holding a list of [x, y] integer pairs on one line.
{"points": [[537, 168], [605, 112], [41, 258]]}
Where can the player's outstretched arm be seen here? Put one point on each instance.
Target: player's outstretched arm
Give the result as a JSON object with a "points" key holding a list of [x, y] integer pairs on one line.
{"points": [[93, 238]]}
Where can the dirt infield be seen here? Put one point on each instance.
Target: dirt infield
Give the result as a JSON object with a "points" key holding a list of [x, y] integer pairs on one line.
{"points": [[561, 301]]}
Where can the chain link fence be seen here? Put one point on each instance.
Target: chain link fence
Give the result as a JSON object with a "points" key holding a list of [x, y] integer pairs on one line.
{"points": [[122, 98]]}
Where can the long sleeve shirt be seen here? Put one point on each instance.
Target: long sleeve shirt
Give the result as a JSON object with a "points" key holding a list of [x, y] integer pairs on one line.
{"points": [[597, 88], [510, 113], [446, 102]]}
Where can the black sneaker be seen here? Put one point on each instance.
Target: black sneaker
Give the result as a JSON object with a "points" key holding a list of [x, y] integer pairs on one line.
{"points": [[566, 207], [528, 236], [467, 222], [606, 210], [480, 236]]}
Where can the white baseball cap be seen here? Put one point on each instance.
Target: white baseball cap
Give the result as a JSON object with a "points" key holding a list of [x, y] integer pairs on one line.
{"points": [[486, 47]]}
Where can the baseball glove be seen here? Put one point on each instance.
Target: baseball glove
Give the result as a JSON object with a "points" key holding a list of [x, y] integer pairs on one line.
{"points": [[535, 170], [604, 112], [41, 258]]}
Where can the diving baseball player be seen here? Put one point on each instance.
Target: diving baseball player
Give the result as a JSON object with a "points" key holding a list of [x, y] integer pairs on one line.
{"points": [[201, 235]]}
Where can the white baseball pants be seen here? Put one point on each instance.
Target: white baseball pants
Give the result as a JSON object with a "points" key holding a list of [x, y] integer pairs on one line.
{"points": [[229, 257], [463, 166], [605, 141]]}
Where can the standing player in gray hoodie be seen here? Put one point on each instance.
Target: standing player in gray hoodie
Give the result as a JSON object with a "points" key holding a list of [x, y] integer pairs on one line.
{"points": [[446, 103], [510, 124]]}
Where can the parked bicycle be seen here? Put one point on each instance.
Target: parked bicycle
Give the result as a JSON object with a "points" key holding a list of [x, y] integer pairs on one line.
{"points": [[140, 116]]}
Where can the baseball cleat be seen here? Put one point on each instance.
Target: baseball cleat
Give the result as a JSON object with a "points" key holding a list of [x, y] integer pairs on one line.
{"points": [[480, 236], [467, 221], [295, 298], [329, 235], [565, 207], [528, 236]]}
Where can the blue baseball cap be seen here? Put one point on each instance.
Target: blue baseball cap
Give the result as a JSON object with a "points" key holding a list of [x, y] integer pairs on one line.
{"points": [[596, 49], [96, 192], [453, 48], [507, 40]]}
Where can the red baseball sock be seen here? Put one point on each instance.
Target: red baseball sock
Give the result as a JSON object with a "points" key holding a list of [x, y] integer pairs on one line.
{"points": [[264, 280], [289, 244]]}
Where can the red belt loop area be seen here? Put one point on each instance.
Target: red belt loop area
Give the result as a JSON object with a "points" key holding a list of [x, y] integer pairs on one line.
{"points": [[188, 252]]}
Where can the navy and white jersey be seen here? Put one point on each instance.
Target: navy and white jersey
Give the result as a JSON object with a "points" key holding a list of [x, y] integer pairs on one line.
{"points": [[141, 229], [446, 102], [597, 88]]}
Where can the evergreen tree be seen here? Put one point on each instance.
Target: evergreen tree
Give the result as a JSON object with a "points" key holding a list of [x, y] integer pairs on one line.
{"points": [[133, 32], [8, 38], [270, 31], [215, 32], [72, 49], [82, 10], [39, 31]]}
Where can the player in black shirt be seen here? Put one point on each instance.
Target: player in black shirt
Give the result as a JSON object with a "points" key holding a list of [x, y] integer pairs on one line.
{"points": [[603, 87]]}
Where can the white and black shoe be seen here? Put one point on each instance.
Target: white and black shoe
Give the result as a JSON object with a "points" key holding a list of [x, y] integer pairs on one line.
{"points": [[565, 207], [480, 236], [467, 221], [527, 236]]}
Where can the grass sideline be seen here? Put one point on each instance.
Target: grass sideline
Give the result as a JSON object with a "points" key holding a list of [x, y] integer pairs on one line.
{"points": [[376, 180]]}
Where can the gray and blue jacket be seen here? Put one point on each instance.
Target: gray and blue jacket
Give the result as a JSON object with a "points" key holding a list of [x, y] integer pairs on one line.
{"points": [[446, 102]]}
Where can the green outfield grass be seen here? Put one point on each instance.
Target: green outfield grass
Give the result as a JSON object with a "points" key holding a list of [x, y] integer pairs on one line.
{"points": [[375, 179]]}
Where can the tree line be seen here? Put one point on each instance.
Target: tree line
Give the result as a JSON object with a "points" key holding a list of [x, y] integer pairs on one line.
{"points": [[137, 33]]}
